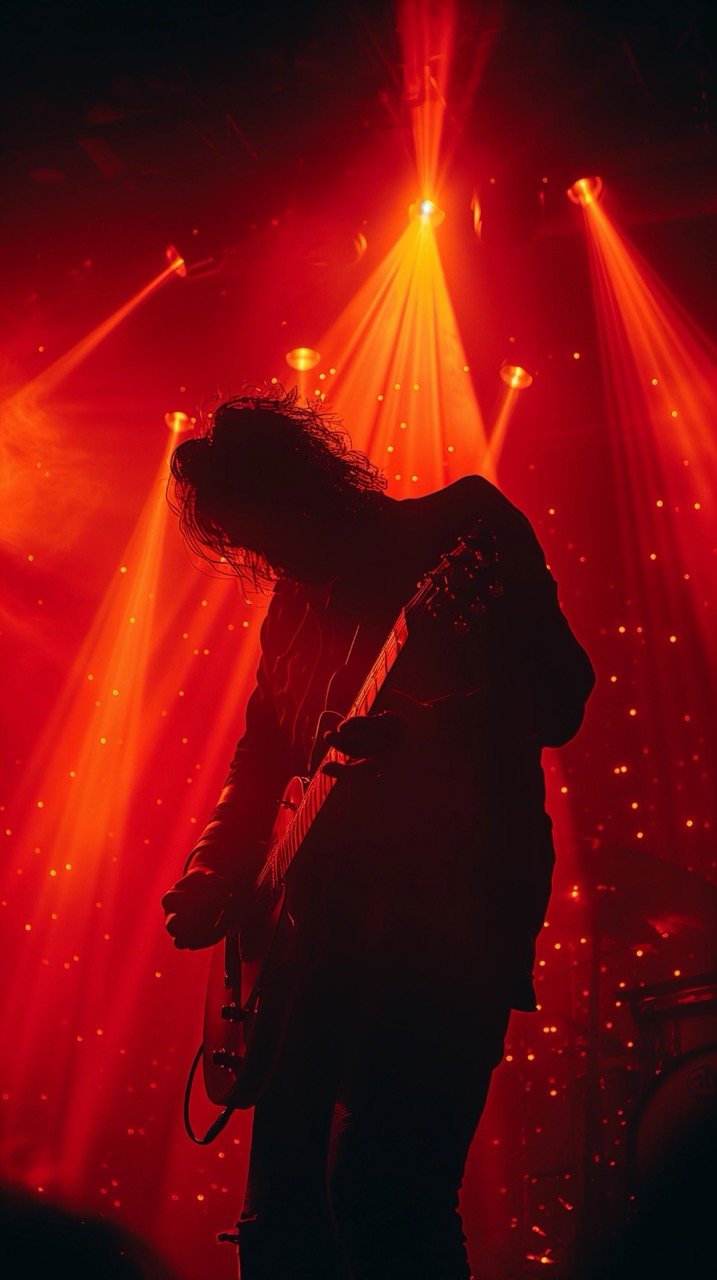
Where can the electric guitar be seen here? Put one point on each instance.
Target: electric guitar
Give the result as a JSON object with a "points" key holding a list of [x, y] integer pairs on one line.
{"points": [[253, 977]]}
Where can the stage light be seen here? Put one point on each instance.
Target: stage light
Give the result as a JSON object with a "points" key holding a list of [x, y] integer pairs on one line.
{"points": [[179, 422], [426, 211], [197, 268], [515, 376], [302, 359], [585, 191], [176, 261]]}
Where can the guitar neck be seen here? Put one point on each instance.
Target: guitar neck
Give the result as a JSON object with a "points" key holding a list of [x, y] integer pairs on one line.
{"points": [[283, 851], [459, 587]]}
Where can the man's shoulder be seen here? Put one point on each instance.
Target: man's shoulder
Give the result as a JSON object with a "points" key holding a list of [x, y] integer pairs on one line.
{"points": [[467, 499], [441, 517], [470, 491]]}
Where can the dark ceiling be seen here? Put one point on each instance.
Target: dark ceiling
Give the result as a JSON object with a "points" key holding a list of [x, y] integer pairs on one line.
{"points": [[114, 109]]}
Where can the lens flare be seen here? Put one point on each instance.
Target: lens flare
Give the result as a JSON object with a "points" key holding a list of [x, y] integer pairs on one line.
{"points": [[427, 212]]}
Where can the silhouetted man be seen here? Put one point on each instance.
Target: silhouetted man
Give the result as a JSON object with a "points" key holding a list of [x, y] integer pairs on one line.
{"points": [[431, 871]]}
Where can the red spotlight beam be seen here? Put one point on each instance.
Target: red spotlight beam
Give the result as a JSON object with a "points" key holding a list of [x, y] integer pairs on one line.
{"points": [[426, 32], [402, 383], [55, 373], [32, 433], [660, 378], [662, 371], [75, 819], [491, 458]]}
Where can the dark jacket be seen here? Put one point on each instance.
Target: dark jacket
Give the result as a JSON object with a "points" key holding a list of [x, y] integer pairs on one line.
{"points": [[457, 847]]}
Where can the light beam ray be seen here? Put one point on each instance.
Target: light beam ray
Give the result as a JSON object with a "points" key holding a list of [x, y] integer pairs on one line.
{"points": [[426, 32], [402, 384], [660, 376], [32, 449], [55, 373], [506, 409], [89, 904]]}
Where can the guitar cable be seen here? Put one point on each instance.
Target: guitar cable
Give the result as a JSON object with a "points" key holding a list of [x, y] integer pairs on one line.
{"points": [[222, 1119]]}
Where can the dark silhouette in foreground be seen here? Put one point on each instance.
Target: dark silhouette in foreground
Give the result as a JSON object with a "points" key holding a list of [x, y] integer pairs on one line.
{"points": [[421, 891]]}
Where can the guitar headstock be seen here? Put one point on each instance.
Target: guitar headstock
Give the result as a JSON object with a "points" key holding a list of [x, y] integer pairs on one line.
{"points": [[462, 585]]}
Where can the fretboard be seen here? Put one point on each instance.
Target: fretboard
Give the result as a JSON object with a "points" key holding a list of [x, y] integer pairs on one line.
{"points": [[458, 588], [284, 850]]}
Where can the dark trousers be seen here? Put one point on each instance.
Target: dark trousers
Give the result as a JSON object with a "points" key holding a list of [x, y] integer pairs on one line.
{"points": [[360, 1142]]}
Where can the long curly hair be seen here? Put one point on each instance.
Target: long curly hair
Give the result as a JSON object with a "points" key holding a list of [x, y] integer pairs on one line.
{"points": [[249, 452]]}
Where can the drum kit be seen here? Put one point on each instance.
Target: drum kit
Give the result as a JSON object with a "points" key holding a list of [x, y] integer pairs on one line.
{"points": [[653, 1214], [636, 896]]}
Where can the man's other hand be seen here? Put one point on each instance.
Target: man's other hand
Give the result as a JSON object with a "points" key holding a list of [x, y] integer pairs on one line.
{"points": [[366, 741], [195, 909], [406, 733]]}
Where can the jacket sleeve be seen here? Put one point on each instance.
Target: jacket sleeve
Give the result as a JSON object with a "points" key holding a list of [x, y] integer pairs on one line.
{"points": [[235, 839], [562, 674], [544, 676]]}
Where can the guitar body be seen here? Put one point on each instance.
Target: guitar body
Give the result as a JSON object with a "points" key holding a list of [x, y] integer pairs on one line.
{"points": [[252, 980]]}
